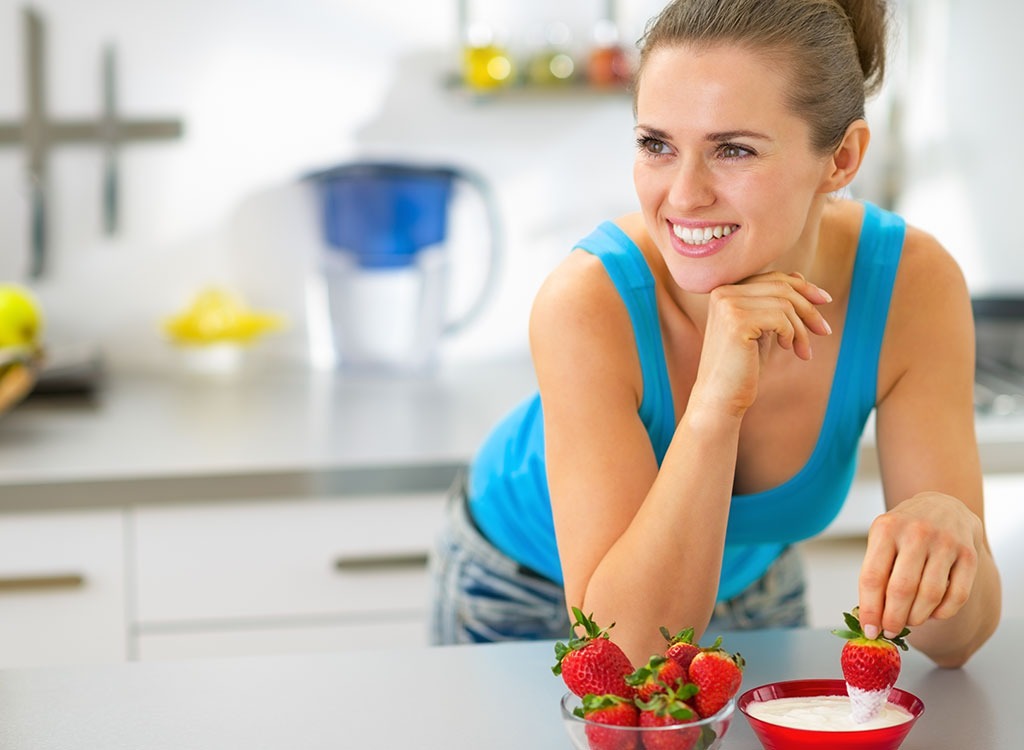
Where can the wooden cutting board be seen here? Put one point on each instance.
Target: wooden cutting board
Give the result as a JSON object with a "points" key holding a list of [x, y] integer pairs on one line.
{"points": [[16, 381]]}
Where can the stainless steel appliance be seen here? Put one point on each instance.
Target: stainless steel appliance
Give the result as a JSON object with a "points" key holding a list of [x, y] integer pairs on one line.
{"points": [[999, 376]]}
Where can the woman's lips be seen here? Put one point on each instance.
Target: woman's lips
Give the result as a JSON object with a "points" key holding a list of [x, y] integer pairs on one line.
{"points": [[700, 241]]}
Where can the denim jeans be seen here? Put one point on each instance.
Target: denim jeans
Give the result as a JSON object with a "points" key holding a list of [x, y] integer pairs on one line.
{"points": [[480, 595]]}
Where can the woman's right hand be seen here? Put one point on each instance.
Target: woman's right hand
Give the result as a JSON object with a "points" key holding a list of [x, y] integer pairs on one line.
{"points": [[744, 322]]}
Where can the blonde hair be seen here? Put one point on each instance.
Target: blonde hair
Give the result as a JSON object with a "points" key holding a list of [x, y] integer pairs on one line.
{"points": [[834, 50]]}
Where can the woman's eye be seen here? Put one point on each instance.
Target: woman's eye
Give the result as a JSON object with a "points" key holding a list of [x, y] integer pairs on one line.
{"points": [[732, 151], [652, 146]]}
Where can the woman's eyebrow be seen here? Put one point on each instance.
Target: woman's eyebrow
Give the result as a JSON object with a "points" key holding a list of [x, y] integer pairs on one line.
{"points": [[718, 137], [660, 135], [729, 135]]}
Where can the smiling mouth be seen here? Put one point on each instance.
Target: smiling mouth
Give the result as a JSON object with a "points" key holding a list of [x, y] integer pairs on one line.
{"points": [[702, 235]]}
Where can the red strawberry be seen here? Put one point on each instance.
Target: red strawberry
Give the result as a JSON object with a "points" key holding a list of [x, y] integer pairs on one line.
{"points": [[670, 709], [613, 711], [658, 675], [870, 666], [681, 647], [592, 663], [718, 675]]}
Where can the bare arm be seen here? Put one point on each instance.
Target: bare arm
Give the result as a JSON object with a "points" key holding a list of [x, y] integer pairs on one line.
{"points": [[928, 563], [638, 546]]}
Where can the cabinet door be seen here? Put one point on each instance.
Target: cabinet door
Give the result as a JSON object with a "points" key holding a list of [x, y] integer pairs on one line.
{"points": [[277, 565], [62, 588]]}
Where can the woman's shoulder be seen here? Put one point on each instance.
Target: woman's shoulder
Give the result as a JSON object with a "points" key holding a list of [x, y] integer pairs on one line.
{"points": [[578, 291], [930, 308], [580, 279], [579, 316], [928, 271]]}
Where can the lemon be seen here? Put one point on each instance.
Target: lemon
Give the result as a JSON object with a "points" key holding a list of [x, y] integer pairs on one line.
{"points": [[217, 316], [21, 317]]}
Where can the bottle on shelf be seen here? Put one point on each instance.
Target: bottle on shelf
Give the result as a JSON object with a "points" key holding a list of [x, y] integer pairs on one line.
{"points": [[486, 64], [608, 64], [552, 63]]}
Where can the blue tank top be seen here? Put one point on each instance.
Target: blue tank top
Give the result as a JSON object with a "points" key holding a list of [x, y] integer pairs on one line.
{"points": [[508, 489]]}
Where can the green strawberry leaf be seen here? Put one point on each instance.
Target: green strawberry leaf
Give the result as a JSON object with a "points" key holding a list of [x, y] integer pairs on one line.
{"points": [[847, 634], [707, 738], [560, 651], [679, 711], [687, 691], [683, 636]]}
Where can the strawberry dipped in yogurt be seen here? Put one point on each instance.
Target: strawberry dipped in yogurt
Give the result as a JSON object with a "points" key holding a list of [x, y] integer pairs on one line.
{"points": [[870, 667]]}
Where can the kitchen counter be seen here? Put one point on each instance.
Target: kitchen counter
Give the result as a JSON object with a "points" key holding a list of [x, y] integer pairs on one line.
{"points": [[146, 439], [496, 697]]}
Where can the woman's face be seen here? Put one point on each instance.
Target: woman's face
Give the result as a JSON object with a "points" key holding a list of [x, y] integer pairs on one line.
{"points": [[724, 171]]}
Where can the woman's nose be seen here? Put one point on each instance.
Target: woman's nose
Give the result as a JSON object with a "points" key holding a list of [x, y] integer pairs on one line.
{"points": [[692, 185]]}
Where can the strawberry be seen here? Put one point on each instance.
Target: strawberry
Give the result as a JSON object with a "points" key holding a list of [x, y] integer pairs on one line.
{"points": [[592, 663], [870, 666], [613, 711], [717, 675], [659, 674], [670, 709], [681, 647]]}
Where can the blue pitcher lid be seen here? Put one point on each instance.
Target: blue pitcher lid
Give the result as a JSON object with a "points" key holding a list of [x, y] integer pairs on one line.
{"points": [[375, 169]]}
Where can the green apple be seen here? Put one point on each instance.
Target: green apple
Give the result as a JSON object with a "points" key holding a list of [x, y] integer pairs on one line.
{"points": [[21, 317]]}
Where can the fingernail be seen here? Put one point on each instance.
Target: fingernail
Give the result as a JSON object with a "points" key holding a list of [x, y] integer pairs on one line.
{"points": [[826, 295], [889, 634], [870, 632], [827, 326]]}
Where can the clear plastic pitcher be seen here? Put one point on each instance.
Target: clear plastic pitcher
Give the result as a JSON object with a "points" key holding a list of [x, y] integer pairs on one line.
{"points": [[387, 270]]}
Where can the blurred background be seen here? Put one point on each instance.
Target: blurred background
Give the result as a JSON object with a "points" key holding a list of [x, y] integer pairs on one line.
{"points": [[362, 199], [266, 92]]}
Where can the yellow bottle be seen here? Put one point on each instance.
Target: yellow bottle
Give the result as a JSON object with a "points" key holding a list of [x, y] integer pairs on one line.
{"points": [[486, 65]]}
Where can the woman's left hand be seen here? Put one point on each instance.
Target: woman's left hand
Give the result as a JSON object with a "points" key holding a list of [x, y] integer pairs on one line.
{"points": [[921, 562]]}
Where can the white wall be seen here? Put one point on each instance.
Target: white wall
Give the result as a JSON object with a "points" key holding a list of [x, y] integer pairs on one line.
{"points": [[268, 91], [962, 108]]}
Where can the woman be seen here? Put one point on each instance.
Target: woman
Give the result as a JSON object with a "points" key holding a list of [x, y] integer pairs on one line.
{"points": [[706, 368]]}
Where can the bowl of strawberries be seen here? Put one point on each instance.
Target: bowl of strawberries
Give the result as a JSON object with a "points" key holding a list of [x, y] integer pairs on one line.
{"points": [[683, 698]]}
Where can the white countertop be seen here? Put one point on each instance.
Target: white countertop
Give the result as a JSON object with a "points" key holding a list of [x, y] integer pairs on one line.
{"points": [[273, 424], [146, 438], [494, 696]]}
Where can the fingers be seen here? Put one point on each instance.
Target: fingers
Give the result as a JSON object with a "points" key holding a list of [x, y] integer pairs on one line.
{"points": [[874, 578], [785, 305], [912, 573]]}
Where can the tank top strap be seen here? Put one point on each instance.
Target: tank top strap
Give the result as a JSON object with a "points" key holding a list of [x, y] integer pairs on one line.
{"points": [[874, 275], [629, 272]]}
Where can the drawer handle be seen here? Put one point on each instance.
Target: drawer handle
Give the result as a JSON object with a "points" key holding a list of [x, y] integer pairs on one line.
{"points": [[384, 561], [41, 581]]}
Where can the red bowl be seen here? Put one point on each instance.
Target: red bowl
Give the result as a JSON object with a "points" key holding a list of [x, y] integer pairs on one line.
{"points": [[775, 737]]}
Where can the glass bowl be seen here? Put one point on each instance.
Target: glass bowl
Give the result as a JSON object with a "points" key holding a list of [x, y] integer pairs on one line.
{"points": [[705, 734], [776, 737]]}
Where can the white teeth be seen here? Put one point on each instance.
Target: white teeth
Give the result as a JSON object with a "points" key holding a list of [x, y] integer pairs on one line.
{"points": [[702, 235]]}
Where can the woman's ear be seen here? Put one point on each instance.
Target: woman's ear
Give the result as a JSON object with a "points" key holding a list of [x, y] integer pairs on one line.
{"points": [[846, 160]]}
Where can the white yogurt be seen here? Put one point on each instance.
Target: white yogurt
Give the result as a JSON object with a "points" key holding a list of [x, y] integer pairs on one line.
{"points": [[823, 713]]}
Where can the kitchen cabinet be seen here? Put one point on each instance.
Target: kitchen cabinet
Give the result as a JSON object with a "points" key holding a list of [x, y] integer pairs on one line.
{"points": [[331, 573], [188, 519], [283, 511], [62, 588]]}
